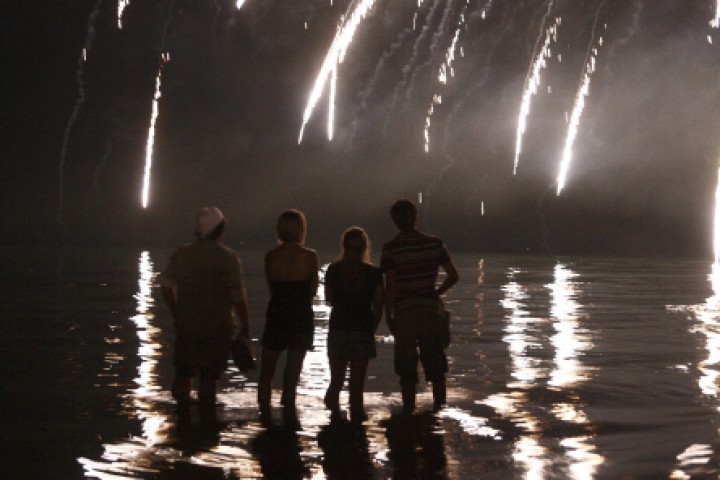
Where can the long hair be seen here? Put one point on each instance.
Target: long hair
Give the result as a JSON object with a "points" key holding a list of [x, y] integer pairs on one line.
{"points": [[291, 226], [355, 245]]}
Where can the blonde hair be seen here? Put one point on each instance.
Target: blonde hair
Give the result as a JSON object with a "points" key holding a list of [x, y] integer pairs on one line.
{"points": [[291, 226], [355, 233]]}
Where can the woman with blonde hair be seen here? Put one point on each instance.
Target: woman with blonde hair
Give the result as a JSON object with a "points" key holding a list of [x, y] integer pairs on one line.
{"points": [[291, 271], [354, 289]]}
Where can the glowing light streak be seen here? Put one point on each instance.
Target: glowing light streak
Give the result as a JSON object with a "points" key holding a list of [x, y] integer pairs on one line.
{"points": [[79, 78], [582, 93], [715, 23], [151, 137], [122, 4], [358, 10], [442, 76], [239, 4], [532, 81], [331, 103]]}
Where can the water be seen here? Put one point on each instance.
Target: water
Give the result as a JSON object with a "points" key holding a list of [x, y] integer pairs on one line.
{"points": [[573, 368]]}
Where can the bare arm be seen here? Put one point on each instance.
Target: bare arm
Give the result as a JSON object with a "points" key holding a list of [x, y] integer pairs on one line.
{"points": [[244, 315], [315, 273], [169, 296], [451, 278], [390, 289], [377, 306]]}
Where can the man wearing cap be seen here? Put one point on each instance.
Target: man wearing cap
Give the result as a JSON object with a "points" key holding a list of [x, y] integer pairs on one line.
{"points": [[203, 287]]}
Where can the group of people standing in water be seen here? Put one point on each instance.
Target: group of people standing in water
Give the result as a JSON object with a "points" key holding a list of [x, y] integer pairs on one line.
{"points": [[203, 286]]}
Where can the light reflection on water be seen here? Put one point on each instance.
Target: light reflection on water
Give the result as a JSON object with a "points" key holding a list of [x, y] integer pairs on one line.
{"points": [[590, 368]]}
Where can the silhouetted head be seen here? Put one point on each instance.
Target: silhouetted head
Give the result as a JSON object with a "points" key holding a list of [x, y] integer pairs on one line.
{"points": [[209, 223], [404, 214], [355, 245], [291, 227]]}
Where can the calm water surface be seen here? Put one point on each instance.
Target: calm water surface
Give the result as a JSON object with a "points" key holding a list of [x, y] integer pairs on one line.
{"points": [[561, 368]]}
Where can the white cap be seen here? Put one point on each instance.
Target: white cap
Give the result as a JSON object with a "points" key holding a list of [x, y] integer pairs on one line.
{"points": [[208, 218]]}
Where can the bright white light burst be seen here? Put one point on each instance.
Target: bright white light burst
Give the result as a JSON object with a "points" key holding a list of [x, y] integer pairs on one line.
{"points": [[151, 136]]}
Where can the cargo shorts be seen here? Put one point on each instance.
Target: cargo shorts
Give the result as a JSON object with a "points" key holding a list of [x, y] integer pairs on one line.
{"points": [[417, 338]]}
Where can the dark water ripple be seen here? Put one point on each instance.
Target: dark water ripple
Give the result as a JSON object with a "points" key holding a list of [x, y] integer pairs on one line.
{"points": [[573, 368]]}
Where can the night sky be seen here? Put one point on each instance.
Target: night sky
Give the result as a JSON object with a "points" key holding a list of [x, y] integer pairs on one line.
{"points": [[644, 169]]}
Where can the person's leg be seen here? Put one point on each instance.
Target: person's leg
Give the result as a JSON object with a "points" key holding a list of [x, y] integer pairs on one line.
{"points": [[268, 362], [293, 367], [181, 388], [338, 367], [406, 356], [433, 357], [207, 391], [439, 393], [358, 373]]}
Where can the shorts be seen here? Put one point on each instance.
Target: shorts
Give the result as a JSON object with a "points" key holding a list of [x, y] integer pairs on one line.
{"points": [[417, 337], [351, 345], [201, 349]]}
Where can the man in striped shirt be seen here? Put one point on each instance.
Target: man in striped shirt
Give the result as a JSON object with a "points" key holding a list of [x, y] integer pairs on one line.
{"points": [[410, 263]]}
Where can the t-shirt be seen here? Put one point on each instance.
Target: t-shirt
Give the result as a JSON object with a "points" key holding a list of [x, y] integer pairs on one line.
{"points": [[352, 288], [415, 257], [209, 280]]}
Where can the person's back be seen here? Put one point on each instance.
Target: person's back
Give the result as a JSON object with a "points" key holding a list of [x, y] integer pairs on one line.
{"points": [[291, 271], [415, 257], [203, 272], [202, 285], [410, 263]]}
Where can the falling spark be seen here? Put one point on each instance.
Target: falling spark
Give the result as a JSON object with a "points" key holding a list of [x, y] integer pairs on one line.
{"points": [[532, 81], [239, 4], [582, 93], [715, 23], [331, 103], [482, 208], [716, 242], [358, 10], [151, 136], [79, 78], [122, 4], [164, 59]]}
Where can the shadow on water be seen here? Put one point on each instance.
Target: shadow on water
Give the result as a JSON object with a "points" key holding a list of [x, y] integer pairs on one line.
{"points": [[416, 444], [278, 452], [346, 450]]}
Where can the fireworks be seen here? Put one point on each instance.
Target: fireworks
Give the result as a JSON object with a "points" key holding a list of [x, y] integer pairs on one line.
{"points": [[579, 105], [151, 136], [532, 80], [336, 54], [122, 4]]}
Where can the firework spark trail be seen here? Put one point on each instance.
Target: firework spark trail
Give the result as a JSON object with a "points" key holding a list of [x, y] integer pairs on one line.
{"points": [[331, 102], [413, 58], [446, 68], [149, 149], [357, 11], [582, 93], [79, 78], [532, 79], [434, 47], [122, 4], [715, 23], [151, 139], [492, 46], [239, 4], [365, 94]]}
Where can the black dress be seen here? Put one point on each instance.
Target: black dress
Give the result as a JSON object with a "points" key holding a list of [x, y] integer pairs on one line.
{"points": [[289, 316]]}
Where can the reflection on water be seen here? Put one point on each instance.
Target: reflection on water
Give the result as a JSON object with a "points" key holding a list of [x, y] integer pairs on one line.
{"points": [[534, 378], [582, 369], [703, 459]]}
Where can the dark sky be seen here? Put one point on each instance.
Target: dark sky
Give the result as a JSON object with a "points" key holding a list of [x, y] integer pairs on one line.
{"points": [[643, 174]]}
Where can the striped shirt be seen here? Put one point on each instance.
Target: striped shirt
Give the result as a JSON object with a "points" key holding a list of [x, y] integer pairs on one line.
{"points": [[415, 257]]}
